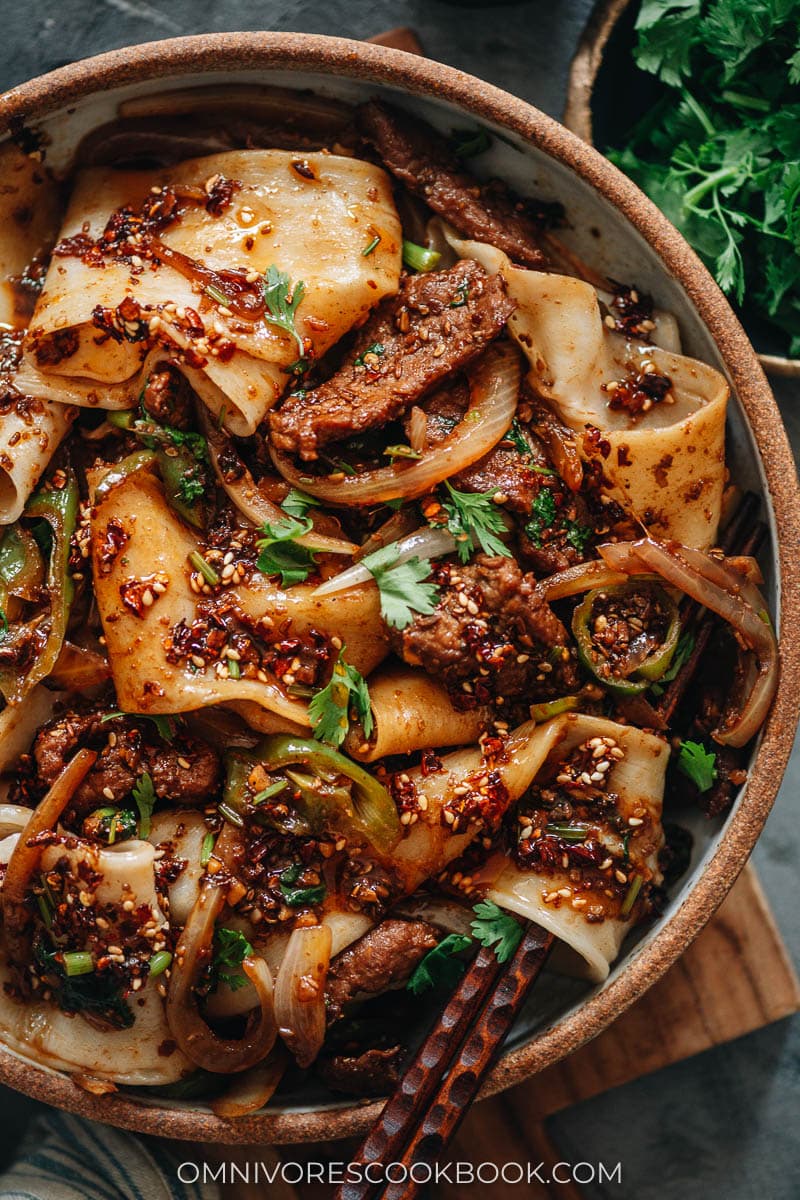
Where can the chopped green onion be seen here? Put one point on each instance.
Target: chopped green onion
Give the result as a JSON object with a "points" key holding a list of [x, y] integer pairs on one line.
{"points": [[401, 451], [630, 899], [159, 963], [207, 848], [78, 962], [371, 246], [45, 910], [569, 833], [234, 670], [419, 258], [206, 570], [273, 790], [215, 294], [230, 815], [123, 419]]}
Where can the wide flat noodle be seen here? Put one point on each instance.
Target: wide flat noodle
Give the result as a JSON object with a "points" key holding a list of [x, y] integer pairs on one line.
{"points": [[43, 1033], [310, 217], [157, 547], [638, 780], [667, 466]]}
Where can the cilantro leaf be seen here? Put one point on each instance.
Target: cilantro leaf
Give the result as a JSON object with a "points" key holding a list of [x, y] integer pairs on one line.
{"points": [[281, 555], [376, 349], [145, 797], [578, 535], [697, 764], [402, 587], [329, 710], [474, 520], [295, 897], [493, 927], [191, 486], [282, 299], [682, 654], [297, 503], [231, 948], [543, 515], [440, 968], [162, 723]]}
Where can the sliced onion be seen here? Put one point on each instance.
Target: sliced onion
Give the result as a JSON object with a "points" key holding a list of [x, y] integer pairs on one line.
{"points": [[13, 818], [256, 103], [300, 992], [577, 579], [424, 544], [494, 390], [252, 503], [193, 1034], [77, 668], [254, 1089], [25, 858], [417, 429], [731, 596]]}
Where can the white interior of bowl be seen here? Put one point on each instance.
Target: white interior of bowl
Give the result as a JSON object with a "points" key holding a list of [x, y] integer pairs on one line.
{"points": [[602, 236]]}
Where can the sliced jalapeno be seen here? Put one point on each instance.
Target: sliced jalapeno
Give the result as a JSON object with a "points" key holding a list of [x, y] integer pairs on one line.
{"points": [[627, 634]]}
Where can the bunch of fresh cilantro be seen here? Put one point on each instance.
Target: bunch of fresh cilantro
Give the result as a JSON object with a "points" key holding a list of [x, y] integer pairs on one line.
{"points": [[719, 153]]}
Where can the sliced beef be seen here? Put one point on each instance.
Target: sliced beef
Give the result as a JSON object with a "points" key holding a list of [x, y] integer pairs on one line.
{"points": [[490, 637], [168, 398], [508, 470], [435, 324], [422, 160], [374, 1072], [185, 771], [379, 962]]}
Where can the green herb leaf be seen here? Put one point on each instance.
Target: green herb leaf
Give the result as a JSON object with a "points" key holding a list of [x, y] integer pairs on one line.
{"points": [[578, 535], [330, 709], [145, 798], [295, 897], [298, 503], [543, 515], [440, 968], [402, 587], [493, 927], [697, 764], [191, 486], [282, 299], [280, 553], [163, 724], [401, 451], [377, 349], [474, 520], [231, 948], [370, 246]]}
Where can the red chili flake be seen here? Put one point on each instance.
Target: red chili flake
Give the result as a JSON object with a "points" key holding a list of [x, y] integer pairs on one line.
{"points": [[430, 763], [115, 538]]}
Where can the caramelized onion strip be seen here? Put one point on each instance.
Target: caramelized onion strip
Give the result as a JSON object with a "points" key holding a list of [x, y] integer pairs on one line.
{"points": [[26, 857], [300, 992]]}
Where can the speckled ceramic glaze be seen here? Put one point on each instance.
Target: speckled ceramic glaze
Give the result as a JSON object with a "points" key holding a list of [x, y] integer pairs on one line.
{"points": [[620, 231]]}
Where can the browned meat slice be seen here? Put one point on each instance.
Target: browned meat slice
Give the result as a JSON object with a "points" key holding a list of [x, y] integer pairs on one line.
{"points": [[185, 771], [435, 324], [421, 159], [167, 396], [379, 962], [372, 1072], [490, 637], [510, 471]]}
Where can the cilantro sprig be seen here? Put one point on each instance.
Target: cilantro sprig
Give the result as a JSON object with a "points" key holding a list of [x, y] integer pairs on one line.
{"points": [[231, 948], [720, 152], [297, 503], [282, 299], [402, 586], [442, 967], [331, 707], [698, 764], [145, 799], [543, 515], [280, 553], [297, 897], [474, 520]]}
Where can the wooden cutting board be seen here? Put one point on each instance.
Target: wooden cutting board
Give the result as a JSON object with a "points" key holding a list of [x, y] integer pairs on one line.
{"points": [[735, 978]]}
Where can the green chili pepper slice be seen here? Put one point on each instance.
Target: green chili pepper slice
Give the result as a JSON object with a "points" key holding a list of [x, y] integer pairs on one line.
{"points": [[318, 799], [21, 563], [627, 668], [59, 508], [138, 461]]}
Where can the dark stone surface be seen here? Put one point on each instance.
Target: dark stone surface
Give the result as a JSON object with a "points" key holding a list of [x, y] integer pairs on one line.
{"points": [[720, 1125]]}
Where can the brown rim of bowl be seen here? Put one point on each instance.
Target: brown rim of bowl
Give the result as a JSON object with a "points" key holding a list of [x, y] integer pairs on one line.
{"points": [[583, 71], [424, 78]]}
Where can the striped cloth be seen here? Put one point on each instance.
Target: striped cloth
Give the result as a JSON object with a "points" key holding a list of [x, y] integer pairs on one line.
{"points": [[66, 1158]]}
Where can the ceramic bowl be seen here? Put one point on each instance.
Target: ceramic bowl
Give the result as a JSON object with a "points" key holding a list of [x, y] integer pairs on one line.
{"points": [[615, 227]]}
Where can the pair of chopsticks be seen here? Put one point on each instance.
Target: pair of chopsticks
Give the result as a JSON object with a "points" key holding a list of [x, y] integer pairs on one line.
{"points": [[428, 1106], [444, 1077]]}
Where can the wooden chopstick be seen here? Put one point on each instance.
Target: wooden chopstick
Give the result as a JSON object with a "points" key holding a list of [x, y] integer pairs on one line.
{"points": [[427, 1106]]}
